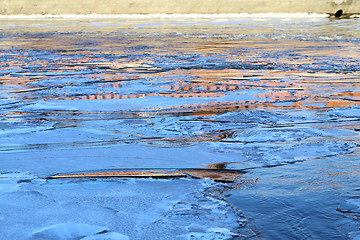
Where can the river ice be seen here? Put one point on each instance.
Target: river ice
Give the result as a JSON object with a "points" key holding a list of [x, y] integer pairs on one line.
{"points": [[189, 92], [35, 208]]}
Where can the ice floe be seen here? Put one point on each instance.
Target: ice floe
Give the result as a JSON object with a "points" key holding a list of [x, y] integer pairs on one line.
{"points": [[35, 208], [346, 112]]}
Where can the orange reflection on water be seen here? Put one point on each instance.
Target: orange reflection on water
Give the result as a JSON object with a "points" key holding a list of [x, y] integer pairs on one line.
{"points": [[304, 82]]}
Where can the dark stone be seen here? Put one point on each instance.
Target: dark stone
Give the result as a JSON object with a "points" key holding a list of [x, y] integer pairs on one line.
{"points": [[339, 13]]}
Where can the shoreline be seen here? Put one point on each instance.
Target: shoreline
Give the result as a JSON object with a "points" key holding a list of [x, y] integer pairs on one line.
{"points": [[58, 7], [170, 16]]}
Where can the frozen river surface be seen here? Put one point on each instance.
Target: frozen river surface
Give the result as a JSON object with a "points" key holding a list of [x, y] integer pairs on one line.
{"points": [[274, 101]]}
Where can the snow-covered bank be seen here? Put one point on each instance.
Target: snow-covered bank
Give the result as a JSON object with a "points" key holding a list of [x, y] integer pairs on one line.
{"points": [[176, 6]]}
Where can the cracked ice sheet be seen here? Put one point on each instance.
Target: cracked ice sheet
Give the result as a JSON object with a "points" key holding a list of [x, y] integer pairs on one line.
{"points": [[35, 208], [254, 137]]}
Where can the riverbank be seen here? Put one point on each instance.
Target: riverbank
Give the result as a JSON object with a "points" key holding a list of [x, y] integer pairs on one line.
{"points": [[56, 7]]}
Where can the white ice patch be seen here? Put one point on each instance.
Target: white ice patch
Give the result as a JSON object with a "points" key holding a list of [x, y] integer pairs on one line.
{"points": [[338, 2], [66, 231], [207, 182], [47, 105]]}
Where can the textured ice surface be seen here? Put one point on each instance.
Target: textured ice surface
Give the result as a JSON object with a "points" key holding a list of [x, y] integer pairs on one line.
{"points": [[67, 231], [9, 128], [33, 208], [257, 136]]}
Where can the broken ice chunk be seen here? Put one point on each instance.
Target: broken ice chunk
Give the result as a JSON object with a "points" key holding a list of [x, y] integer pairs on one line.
{"points": [[345, 112]]}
